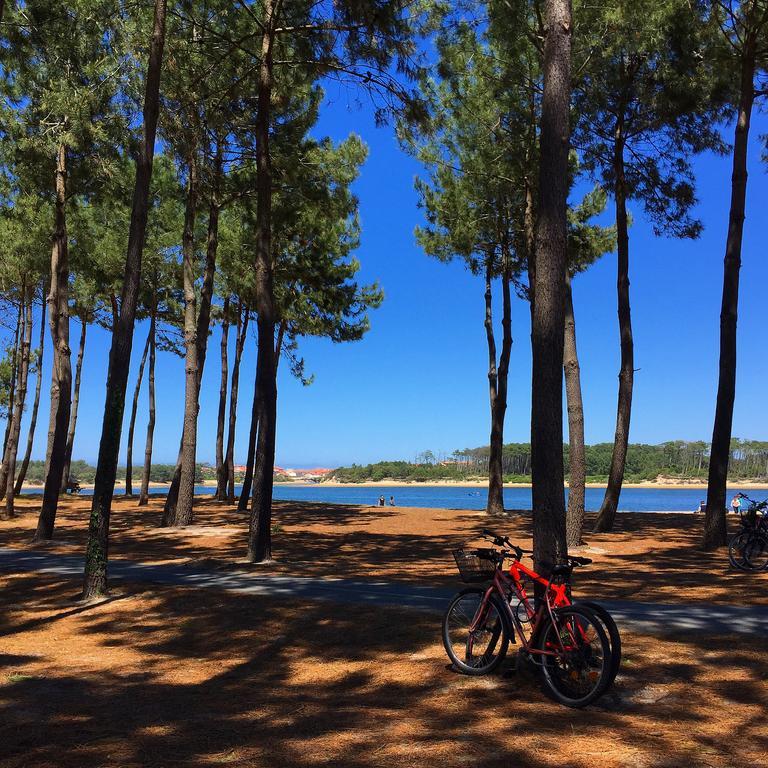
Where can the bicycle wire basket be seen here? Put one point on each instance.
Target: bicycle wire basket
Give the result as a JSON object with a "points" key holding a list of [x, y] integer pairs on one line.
{"points": [[475, 564]]}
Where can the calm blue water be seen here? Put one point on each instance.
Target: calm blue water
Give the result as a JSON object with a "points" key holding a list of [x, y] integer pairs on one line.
{"points": [[461, 497]]}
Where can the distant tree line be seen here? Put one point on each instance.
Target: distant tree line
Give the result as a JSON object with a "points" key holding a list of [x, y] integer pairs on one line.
{"points": [[678, 458], [84, 472]]}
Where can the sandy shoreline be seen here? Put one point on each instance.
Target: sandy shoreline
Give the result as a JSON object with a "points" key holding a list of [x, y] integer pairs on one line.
{"points": [[682, 486], [667, 486]]}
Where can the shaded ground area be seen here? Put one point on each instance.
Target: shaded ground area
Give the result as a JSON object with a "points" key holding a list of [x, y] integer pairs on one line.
{"points": [[651, 557], [653, 618], [195, 678]]}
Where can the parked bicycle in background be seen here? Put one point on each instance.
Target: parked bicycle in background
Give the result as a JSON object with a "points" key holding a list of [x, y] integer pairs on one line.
{"points": [[748, 549]]}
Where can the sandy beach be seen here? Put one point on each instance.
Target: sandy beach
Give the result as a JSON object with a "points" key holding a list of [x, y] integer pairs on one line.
{"points": [[666, 485]]}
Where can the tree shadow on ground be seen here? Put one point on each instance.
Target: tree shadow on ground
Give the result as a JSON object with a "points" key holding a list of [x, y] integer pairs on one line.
{"points": [[196, 678], [653, 557]]}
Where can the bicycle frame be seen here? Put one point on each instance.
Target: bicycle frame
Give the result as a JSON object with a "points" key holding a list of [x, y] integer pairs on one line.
{"points": [[555, 595]]}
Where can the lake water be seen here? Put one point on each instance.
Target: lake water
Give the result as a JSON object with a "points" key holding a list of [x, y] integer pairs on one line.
{"points": [[463, 497]]}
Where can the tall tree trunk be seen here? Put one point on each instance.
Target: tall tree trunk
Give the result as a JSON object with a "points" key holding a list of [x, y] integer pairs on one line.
{"points": [[607, 514], [144, 494], [132, 421], [172, 497], [497, 385], [75, 406], [548, 329], [245, 491], [35, 405], [179, 509], [12, 387], [182, 514], [242, 329], [714, 520], [529, 216], [222, 468], [95, 577], [18, 346], [574, 518], [12, 447], [259, 533], [61, 379]]}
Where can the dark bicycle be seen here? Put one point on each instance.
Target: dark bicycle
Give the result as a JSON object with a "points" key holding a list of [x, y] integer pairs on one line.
{"points": [[748, 549]]}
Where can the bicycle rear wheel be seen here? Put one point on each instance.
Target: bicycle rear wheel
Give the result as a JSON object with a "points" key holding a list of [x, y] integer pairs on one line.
{"points": [[475, 634], [756, 552], [576, 667], [612, 632]]}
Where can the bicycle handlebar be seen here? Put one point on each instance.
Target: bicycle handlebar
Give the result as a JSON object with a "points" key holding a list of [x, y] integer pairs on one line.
{"points": [[503, 541], [758, 504]]}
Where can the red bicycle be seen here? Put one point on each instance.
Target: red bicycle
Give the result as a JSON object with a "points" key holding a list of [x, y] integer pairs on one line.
{"points": [[576, 646]]}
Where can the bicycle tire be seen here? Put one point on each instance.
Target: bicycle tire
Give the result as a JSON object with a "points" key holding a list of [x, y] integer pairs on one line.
{"points": [[736, 551], [757, 553], [499, 633], [611, 630], [588, 663]]}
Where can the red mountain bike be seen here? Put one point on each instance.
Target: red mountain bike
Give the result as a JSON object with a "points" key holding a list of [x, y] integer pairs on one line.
{"points": [[576, 646]]}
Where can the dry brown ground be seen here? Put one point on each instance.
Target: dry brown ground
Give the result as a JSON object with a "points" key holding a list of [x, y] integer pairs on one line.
{"points": [[162, 677], [649, 557]]}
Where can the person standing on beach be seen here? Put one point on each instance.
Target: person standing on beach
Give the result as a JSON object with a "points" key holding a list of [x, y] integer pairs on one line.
{"points": [[391, 501], [736, 503], [381, 501]]}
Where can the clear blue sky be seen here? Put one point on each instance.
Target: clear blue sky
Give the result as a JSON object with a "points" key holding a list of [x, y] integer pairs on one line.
{"points": [[418, 379]]}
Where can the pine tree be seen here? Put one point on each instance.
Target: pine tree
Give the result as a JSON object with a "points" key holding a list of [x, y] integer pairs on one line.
{"points": [[641, 102]]}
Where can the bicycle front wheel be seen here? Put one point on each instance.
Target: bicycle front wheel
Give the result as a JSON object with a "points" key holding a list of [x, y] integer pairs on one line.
{"points": [[475, 632], [576, 664]]}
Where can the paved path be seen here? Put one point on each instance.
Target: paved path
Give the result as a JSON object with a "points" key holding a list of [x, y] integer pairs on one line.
{"points": [[644, 617]]}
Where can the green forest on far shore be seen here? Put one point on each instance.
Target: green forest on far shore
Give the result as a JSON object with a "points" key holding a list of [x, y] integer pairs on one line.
{"points": [[84, 472], [675, 459]]}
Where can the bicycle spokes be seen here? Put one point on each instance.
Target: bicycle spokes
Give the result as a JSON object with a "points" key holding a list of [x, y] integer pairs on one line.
{"points": [[474, 633]]}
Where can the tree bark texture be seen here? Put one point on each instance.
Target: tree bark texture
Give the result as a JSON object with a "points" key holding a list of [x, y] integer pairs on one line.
{"points": [[12, 447], [259, 533], [607, 514], [12, 387], [574, 517], [715, 532], [61, 378], [221, 465], [242, 329], [35, 404], [132, 420], [548, 329], [144, 493], [184, 503], [97, 552], [497, 386], [75, 405], [178, 510], [245, 491]]}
